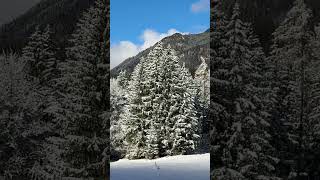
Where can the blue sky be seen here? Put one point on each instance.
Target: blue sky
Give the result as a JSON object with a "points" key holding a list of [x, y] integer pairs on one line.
{"points": [[138, 24]]}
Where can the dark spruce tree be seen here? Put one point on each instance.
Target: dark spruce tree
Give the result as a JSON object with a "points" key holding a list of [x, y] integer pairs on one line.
{"points": [[20, 130], [240, 101], [88, 89], [314, 124], [295, 63], [217, 111], [80, 147]]}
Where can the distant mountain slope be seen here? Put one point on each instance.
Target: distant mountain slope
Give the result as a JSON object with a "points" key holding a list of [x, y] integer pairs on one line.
{"points": [[62, 15], [266, 15], [9, 9], [188, 47]]}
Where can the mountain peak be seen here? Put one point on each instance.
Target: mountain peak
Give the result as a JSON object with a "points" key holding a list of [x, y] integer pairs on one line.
{"points": [[189, 47]]}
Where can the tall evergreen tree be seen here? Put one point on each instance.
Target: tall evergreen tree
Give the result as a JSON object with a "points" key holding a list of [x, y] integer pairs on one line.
{"points": [[154, 118], [183, 113], [39, 55], [202, 75], [153, 141], [218, 68], [155, 100], [134, 117], [314, 124], [87, 137], [118, 100], [40, 65], [19, 132], [123, 79], [293, 57], [246, 153], [202, 101], [81, 149]]}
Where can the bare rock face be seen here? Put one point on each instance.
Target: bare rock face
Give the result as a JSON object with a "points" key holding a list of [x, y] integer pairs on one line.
{"points": [[188, 47]]}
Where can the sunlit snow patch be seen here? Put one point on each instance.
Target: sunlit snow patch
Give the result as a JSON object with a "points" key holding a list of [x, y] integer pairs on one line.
{"points": [[183, 167]]}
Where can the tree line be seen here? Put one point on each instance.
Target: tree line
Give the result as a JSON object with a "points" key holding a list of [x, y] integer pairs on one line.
{"points": [[54, 113], [160, 109], [264, 108]]}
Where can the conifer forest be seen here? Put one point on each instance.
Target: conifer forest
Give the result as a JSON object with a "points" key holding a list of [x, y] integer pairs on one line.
{"points": [[160, 109], [247, 91], [54, 108], [264, 106]]}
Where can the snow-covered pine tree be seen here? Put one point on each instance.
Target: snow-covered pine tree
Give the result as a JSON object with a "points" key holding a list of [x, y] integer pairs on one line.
{"points": [[182, 112], [221, 96], [87, 137], [202, 101], [134, 115], [157, 88], [166, 71], [314, 123], [50, 62], [118, 100], [247, 153], [123, 79], [169, 84], [10, 120], [39, 56], [201, 77], [264, 80], [153, 140], [17, 101], [292, 55], [104, 80], [31, 52], [39, 64], [218, 85], [154, 101], [151, 110], [80, 149]]}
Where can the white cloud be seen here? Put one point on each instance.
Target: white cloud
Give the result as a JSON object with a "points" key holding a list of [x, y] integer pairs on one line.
{"points": [[200, 6], [125, 49], [122, 51], [151, 37]]}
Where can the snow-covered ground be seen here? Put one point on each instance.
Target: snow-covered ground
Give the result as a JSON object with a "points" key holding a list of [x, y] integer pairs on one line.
{"points": [[183, 167]]}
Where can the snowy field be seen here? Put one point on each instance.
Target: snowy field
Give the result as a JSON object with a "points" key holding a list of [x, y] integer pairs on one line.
{"points": [[187, 167]]}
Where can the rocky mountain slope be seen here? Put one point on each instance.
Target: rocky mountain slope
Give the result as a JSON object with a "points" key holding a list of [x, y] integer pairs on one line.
{"points": [[265, 15], [62, 15], [189, 48]]}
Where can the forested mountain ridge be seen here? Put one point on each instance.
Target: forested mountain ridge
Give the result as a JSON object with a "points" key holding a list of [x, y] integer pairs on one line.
{"points": [[265, 106], [61, 15], [188, 47], [266, 15]]}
